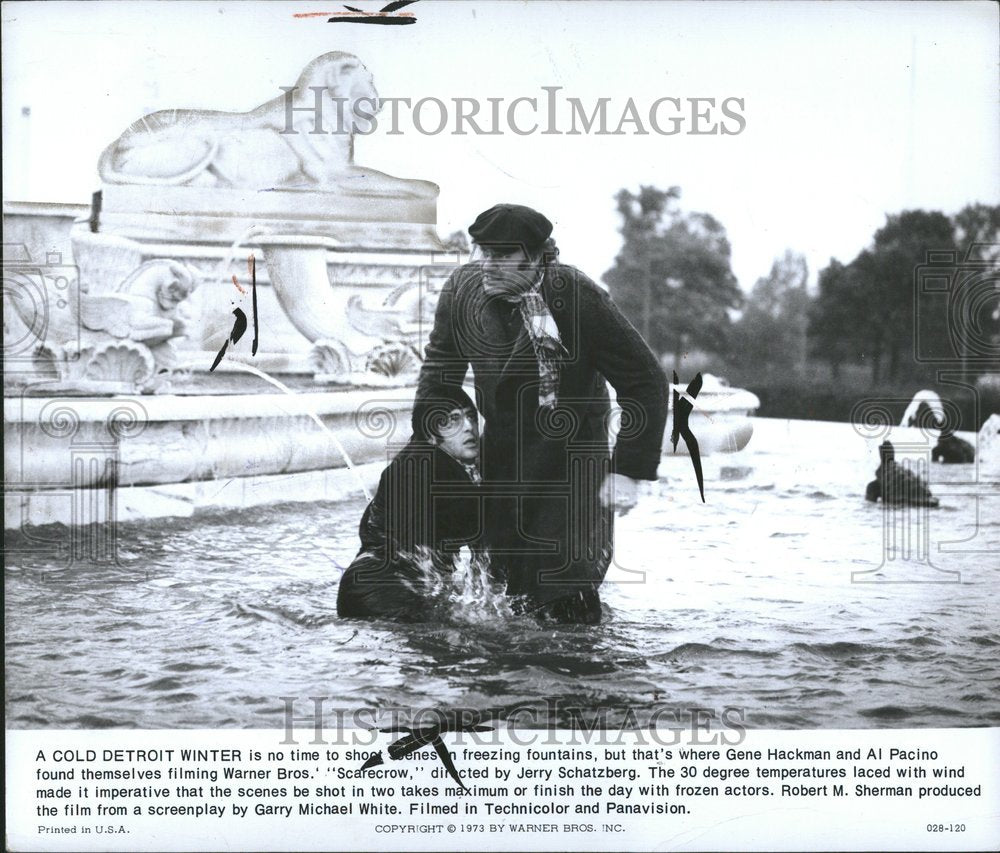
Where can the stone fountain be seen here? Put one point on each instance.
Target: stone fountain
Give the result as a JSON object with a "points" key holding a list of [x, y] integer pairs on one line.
{"points": [[254, 236]]}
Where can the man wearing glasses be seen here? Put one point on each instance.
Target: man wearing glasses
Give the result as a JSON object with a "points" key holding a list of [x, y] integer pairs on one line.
{"points": [[425, 509], [542, 340]]}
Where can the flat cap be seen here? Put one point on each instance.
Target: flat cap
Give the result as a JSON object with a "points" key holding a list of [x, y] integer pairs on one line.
{"points": [[510, 223]]}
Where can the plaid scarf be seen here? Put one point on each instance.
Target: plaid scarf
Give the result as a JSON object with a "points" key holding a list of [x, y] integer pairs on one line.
{"points": [[545, 341]]}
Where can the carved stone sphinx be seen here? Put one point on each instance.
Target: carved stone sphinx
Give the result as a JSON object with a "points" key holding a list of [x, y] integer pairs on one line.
{"points": [[280, 181], [302, 139]]}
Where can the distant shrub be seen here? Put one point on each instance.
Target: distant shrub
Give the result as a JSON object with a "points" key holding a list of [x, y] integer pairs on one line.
{"points": [[988, 389]]}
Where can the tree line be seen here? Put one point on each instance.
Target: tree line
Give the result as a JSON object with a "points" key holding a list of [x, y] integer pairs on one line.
{"points": [[673, 279]]}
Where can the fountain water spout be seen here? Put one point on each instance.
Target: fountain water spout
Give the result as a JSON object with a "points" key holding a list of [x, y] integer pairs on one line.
{"points": [[340, 447]]}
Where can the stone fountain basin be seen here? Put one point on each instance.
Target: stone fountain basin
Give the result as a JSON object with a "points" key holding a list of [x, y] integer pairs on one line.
{"points": [[55, 445]]}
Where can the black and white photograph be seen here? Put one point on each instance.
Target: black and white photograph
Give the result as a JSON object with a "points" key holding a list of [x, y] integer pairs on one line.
{"points": [[501, 425]]}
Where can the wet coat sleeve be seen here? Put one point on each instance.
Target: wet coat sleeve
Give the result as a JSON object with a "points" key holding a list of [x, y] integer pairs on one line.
{"points": [[444, 365], [623, 358]]}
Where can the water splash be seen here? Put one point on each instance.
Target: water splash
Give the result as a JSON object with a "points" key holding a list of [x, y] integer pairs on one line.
{"points": [[468, 595], [238, 365], [476, 596]]}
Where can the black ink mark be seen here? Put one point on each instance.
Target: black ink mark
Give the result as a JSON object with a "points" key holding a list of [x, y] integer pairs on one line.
{"points": [[95, 211], [426, 736], [252, 263], [240, 324], [239, 327], [384, 16], [682, 429]]}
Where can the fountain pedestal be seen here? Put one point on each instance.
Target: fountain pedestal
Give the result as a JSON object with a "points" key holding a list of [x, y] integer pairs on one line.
{"points": [[221, 216], [247, 232]]}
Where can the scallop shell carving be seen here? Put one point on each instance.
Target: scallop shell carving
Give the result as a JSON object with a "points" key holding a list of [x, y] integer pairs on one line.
{"points": [[122, 361], [45, 361], [67, 362], [330, 357], [394, 360]]}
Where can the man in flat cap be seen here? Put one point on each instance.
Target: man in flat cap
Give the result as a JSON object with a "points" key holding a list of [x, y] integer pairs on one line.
{"points": [[541, 339]]}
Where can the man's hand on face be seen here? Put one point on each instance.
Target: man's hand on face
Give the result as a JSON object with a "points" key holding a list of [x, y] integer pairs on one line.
{"points": [[619, 491]]}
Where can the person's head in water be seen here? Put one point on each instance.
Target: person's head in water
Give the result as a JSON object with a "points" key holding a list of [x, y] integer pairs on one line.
{"points": [[450, 422], [511, 243]]}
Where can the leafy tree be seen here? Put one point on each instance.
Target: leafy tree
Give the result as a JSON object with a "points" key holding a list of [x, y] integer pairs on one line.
{"points": [[865, 311], [900, 246], [672, 277], [979, 223], [457, 241], [772, 330], [977, 233], [833, 332]]}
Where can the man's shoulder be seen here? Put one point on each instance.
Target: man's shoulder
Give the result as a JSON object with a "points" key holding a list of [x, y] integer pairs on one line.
{"points": [[420, 458], [413, 453], [562, 275]]}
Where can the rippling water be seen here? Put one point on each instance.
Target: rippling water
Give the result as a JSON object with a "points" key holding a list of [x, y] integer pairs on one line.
{"points": [[752, 601]]}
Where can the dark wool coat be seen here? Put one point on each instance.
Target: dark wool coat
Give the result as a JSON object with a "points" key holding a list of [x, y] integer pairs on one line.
{"points": [[426, 506], [543, 522]]}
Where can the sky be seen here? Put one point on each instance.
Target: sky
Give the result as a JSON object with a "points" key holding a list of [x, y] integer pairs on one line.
{"points": [[852, 110]]}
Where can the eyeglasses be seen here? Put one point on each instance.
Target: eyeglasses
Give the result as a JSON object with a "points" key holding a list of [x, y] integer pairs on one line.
{"points": [[456, 419]]}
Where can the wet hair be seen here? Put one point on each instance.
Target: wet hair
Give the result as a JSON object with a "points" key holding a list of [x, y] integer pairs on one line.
{"points": [[549, 251], [430, 412]]}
